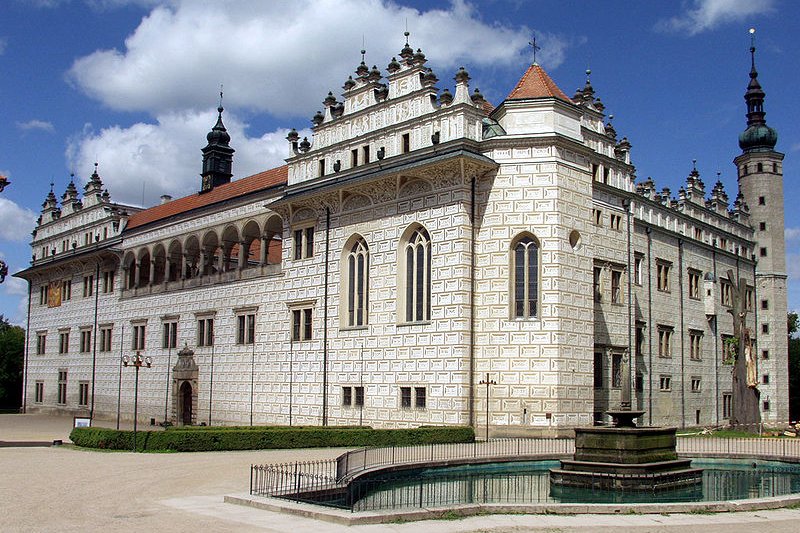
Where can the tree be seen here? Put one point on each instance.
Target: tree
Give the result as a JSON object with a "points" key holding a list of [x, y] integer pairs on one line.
{"points": [[745, 395], [12, 347], [794, 367]]}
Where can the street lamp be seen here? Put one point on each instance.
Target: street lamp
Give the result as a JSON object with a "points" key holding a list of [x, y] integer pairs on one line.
{"points": [[488, 382], [137, 361]]}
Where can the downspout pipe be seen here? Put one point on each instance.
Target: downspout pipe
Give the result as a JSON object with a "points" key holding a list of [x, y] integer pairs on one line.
{"points": [[682, 333], [472, 308], [27, 351], [715, 331], [649, 232], [325, 319], [631, 359], [94, 334]]}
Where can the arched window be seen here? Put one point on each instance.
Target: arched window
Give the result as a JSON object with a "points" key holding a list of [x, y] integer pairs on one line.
{"points": [[417, 251], [357, 283], [525, 283]]}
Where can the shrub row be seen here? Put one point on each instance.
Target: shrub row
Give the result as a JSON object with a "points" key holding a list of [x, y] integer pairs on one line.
{"points": [[218, 439]]}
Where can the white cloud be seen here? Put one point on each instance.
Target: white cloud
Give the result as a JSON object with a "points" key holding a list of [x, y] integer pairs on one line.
{"points": [[165, 155], [16, 223], [708, 14], [36, 124], [791, 234], [283, 57], [15, 286]]}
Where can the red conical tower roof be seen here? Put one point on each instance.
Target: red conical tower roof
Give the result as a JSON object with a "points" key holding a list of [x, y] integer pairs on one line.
{"points": [[535, 83]]}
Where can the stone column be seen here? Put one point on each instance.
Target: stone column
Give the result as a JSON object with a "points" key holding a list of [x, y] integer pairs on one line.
{"points": [[152, 273], [263, 255], [243, 252]]}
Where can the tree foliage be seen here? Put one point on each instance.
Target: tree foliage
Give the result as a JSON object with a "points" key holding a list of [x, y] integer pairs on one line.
{"points": [[12, 346], [794, 368]]}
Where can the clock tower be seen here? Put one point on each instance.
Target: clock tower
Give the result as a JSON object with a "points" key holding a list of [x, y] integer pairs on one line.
{"points": [[217, 157]]}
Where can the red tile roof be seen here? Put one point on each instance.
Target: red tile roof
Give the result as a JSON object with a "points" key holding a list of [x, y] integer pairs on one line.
{"points": [[234, 189], [535, 83]]}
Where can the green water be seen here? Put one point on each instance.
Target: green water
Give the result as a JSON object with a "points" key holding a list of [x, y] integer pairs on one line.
{"points": [[529, 482]]}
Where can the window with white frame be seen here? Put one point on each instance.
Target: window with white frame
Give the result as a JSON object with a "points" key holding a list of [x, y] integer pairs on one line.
{"points": [[663, 269], [105, 338], [88, 286], [137, 342], [66, 289], [304, 242], [726, 293], [616, 286], [616, 222], [245, 328], [665, 383], [695, 344], [41, 342], [419, 397], [616, 370], [694, 284], [63, 341], [416, 254], [357, 282], [62, 387], [638, 265], [302, 324], [597, 283], [169, 334], [727, 401], [353, 396], [108, 281], [526, 277], [664, 341], [86, 340], [695, 383], [205, 331], [83, 393], [38, 392]]}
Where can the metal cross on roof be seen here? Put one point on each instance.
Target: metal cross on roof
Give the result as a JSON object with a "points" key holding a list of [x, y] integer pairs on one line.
{"points": [[535, 47]]}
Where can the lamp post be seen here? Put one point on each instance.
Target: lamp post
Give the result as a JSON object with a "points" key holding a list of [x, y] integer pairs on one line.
{"points": [[488, 382], [137, 361]]}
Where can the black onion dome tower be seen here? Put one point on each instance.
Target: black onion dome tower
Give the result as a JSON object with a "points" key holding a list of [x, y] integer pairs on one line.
{"points": [[217, 155]]}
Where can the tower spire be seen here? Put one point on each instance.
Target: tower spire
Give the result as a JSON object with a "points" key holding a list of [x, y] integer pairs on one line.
{"points": [[758, 137], [217, 155]]}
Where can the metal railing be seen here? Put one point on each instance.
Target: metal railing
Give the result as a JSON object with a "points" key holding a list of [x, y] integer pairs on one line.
{"points": [[331, 482]]}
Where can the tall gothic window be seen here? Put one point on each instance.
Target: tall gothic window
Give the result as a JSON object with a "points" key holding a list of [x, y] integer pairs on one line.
{"points": [[357, 283], [526, 278], [417, 249]]}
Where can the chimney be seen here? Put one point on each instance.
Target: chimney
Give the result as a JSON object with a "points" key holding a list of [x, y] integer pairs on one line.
{"points": [[165, 198]]}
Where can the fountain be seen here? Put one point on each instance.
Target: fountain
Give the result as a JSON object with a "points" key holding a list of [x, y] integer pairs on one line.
{"points": [[625, 457]]}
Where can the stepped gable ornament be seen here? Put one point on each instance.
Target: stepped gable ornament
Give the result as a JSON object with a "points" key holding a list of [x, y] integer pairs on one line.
{"points": [[4, 182]]}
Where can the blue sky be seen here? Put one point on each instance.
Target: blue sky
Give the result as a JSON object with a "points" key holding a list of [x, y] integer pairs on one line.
{"points": [[132, 84]]}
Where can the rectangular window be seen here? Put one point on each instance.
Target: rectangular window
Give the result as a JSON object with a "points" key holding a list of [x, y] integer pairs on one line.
{"points": [[762, 200], [63, 342], [598, 289], [108, 281], [762, 251], [137, 342], [764, 354], [347, 396], [665, 341], [723, 243], [695, 344], [205, 332], [765, 329], [245, 329], [41, 342], [83, 393], [638, 263], [665, 383], [405, 397], [616, 370], [365, 151], [66, 290], [598, 370], [726, 293], [105, 339], [766, 405], [698, 234], [301, 324], [729, 347], [765, 379], [406, 143], [606, 174], [86, 340], [38, 392], [762, 226], [597, 216], [749, 298], [321, 168], [359, 396], [88, 286], [169, 335], [304, 243], [695, 383], [616, 286], [43, 295], [354, 158], [419, 397], [662, 272], [62, 387], [616, 221], [765, 304], [727, 398], [694, 284]]}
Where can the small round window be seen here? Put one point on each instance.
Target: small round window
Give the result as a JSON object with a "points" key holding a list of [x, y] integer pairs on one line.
{"points": [[575, 239]]}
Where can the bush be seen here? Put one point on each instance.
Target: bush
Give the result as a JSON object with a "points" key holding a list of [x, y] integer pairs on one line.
{"points": [[194, 439]]}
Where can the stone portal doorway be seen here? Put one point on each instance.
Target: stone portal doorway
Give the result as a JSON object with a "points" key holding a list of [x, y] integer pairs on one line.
{"points": [[185, 415], [184, 389]]}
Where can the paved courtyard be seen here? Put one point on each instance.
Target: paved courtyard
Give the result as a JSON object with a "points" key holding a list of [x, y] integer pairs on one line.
{"points": [[66, 489]]}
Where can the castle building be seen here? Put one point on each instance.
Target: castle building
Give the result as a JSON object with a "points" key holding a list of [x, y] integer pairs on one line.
{"points": [[426, 258]]}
